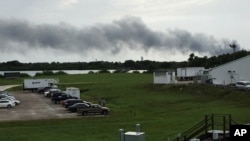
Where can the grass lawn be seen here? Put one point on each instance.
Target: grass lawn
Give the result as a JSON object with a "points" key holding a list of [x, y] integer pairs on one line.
{"points": [[162, 110]]}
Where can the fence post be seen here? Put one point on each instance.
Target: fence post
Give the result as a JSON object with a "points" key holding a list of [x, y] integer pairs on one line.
{"points": [[230, 120], [212, 118], [224, 127], [206, 118]]}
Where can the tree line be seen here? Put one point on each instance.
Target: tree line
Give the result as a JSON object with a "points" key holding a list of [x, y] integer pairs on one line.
{"points": [[192, 61]]}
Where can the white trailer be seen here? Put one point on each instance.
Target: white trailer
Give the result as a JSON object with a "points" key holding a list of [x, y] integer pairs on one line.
{"points": [[189, 73], [72, 91], [34, 84]]}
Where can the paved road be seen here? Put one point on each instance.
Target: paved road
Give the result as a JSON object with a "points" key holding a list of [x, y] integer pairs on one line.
{"points": [[5, 87]]}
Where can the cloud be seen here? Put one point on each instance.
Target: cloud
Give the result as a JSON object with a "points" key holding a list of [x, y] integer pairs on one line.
{"points": [[67, 3], [129, 32]]}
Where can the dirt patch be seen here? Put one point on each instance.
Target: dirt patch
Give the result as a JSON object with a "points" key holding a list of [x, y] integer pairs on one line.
{"points": [[34, 106]]}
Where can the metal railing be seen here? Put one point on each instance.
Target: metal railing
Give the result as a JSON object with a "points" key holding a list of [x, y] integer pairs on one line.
{"points": [[210, 122]]}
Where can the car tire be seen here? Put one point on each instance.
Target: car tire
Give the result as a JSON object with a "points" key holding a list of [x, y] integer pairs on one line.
{"points": [[105, 112], [84, 113], [8, 106]]}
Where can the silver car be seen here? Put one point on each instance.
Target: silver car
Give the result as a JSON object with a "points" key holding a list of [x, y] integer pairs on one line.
{"points": [[7, 103], [243, 85]]}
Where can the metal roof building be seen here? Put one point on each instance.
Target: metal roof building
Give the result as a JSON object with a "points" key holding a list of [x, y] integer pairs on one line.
{"points": [[231, 72]]}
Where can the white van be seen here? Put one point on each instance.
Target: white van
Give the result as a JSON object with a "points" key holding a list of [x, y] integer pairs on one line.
{"points": [[244, 85]]}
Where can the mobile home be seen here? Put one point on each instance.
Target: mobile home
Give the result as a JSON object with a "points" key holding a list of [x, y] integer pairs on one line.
{"points": [[189, 73]]}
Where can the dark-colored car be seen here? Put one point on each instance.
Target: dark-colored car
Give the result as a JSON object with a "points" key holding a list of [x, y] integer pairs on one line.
{"points": [[63, 96], [43, 89], [93, 109], [72, 102], [75, 107], [54, 95], [48, 92]]}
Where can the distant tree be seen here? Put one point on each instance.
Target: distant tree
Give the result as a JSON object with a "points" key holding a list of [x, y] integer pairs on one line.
{"points": [[208, 62], [24, 75], [60, 73], [104, 71], [135, 72], [191, 57], [46, 72], [130, 64], [91, 72]]}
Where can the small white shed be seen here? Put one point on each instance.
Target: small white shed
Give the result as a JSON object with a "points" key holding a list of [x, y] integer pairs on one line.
{"points": [[164, 77], [75, 92], [231, 72]]}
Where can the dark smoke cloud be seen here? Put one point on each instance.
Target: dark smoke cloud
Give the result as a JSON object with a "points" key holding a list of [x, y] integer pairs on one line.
{"points": [[128, 32]]}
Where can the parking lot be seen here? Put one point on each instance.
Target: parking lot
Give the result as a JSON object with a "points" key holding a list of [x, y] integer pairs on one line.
{"points": [[34, 106]]}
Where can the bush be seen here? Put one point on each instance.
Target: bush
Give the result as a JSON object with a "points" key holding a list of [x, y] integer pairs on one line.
{"points": [[47, 72], [135, 72], [60, 73], [91, 72], [24, 75], [120, 71], [104, 71]]}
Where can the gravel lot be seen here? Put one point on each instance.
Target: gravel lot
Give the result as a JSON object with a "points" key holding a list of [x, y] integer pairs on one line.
{"points": [[34, 106]]}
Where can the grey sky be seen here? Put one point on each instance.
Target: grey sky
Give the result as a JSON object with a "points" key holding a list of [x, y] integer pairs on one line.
{"points": [[117, 30]]}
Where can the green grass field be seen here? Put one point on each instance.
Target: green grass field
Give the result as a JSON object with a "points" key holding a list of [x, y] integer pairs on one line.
{"points": [[162, 110]]}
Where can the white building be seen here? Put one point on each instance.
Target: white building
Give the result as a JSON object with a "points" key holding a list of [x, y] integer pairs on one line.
{"points": [[164, 77], [189, 73], [231, 72]]}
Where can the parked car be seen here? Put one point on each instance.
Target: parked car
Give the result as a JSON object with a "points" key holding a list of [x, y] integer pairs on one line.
{"points": [[63, 96], [7, 103], [49, 91], [71, 102], [93, 109], [75, 107], [6, 96], [56, 94], [243, 85], [41, 90], [17, 102], [9, 97]]}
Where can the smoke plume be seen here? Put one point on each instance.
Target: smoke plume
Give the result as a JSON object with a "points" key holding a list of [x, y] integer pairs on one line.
{"points": [[129, 32]]}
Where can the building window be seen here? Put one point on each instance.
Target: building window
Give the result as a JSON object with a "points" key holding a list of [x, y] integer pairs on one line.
{"points": [[160, 74]]}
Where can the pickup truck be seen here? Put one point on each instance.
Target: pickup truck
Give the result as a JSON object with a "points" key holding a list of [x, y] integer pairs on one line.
{"points": [[93, 109]]}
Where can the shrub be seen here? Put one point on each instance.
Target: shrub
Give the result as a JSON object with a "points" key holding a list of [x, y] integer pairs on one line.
{"points": [[60, 73], [46, 72], [24, 75], [104, 71], [135, 72]]}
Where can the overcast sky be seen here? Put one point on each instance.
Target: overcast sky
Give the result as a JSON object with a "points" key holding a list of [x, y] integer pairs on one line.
{"points": [[118, 30]]}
